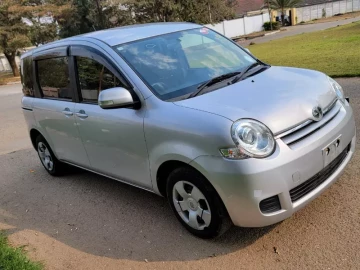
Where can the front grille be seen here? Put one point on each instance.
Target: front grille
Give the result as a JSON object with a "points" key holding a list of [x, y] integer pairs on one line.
{"points": [[309, 127], [315, 181], [270, 205]]}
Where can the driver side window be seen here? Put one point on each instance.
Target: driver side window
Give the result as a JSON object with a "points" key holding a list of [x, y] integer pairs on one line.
{"points": [[94, 78]]}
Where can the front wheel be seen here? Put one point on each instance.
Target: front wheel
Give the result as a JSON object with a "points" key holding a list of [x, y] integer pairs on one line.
{"points": [[196, 203]]}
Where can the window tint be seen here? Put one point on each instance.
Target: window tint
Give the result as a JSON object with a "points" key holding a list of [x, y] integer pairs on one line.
{"points": [[54, 77], [27, 76], [94, 78]]}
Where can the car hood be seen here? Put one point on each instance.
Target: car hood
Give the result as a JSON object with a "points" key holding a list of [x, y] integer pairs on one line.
{"points": [[279, 97]]}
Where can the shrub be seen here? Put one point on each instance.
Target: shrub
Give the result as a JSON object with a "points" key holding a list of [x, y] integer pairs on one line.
{"points": [[275, 26]]}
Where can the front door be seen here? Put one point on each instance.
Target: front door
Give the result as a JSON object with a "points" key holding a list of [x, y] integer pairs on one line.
{"points": [[54, 110], [113, 138]]}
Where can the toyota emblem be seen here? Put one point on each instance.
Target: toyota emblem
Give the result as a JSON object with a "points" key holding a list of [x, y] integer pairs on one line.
{"points": [[317, 113]]}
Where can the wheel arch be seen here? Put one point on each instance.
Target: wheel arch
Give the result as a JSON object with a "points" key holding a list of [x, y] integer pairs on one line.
{"points": [[34, 133], [169, 166], [164, 171]]}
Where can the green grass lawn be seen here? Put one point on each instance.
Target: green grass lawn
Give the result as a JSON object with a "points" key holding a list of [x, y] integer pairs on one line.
{"points": [[334, 51], [14, 258]]}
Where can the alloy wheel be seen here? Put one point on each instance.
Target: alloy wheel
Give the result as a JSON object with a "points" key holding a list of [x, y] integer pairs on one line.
{"points": [[45, 156], [191, 205]]}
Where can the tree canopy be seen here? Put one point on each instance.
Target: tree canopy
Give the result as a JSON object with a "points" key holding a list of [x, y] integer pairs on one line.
{"points": [[86, 15], [283, 4], [20, 26]]}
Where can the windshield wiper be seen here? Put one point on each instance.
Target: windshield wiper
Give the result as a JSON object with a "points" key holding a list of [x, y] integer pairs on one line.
{"points": [[243, 73], [212, 82]]}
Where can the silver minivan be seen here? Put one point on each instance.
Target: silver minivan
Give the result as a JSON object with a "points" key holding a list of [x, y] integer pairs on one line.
{"points": [[179, 110]]}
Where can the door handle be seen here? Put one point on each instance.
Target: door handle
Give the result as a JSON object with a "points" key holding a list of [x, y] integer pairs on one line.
{"points": [[67, 112], [81, 114]]}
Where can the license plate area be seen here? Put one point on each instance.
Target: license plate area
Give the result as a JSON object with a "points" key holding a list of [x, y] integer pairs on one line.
{"points": [[331, 151]]}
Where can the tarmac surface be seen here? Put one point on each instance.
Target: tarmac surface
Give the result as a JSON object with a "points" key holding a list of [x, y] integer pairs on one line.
{"points": [[85, 221]]}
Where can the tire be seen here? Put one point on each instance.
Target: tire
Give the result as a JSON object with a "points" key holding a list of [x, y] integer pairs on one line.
{"points": [[51, 164], [196, 204]]}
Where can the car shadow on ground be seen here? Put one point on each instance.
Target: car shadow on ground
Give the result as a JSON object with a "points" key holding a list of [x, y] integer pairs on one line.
{"points": [[101, 216]]}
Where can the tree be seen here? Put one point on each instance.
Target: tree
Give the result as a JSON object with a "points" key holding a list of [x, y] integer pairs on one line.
{"points": [[85, 16], [267, 5], [13, 33], [206, 11], [197, 11], [16, 34], [89, 15], [42, 33], [282, 5], [75, 20]]}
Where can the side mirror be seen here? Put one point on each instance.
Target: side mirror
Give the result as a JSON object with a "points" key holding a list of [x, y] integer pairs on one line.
{"points": [[117, 97]]}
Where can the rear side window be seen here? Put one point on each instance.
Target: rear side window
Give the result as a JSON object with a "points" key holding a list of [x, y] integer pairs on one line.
{"points": [[27, 81], [54, 78], [94, 78]]}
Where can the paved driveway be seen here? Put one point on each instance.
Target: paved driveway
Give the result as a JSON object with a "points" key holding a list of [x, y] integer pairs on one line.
{"points": [[85, 221], [299, 29], [13, 132]]}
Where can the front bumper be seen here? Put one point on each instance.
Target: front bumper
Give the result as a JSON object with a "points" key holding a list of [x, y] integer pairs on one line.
{"points": [[243, 184]]}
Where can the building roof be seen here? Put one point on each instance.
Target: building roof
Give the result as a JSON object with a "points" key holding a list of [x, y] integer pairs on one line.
{"points": [[245, 6]]}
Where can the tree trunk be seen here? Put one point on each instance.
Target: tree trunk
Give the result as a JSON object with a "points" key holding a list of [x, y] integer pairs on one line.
{"points": [[100, 15], [283, 17], [11, 59]]}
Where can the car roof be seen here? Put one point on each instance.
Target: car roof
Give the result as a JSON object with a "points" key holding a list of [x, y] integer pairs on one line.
{"points": [[130, 33], [121, 35]]}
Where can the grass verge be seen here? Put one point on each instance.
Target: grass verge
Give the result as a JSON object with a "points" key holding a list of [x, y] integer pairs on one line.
{"points": [[14, 258], [6, 77], [333, 51]]}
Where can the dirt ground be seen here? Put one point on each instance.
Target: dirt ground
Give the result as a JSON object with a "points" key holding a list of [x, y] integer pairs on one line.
{"points": [[85, 221]]}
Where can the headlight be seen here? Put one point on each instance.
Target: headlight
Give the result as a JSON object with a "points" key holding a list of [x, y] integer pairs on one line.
{"points": [[252, 138], [337, 89]]}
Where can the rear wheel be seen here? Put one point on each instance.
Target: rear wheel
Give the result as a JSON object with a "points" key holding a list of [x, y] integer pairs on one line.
{"points": [[51, 164], [196, 203]]}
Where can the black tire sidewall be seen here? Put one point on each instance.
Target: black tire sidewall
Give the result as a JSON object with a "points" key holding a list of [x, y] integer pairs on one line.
{"points": [[217, 211]]}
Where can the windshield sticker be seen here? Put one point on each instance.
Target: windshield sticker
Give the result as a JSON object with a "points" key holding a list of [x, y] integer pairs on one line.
{"points": [[120, 48]]}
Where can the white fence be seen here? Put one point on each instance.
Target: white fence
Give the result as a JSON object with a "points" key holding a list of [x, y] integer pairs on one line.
{"points": [[309, 13], [242, 26], [4, 64]]}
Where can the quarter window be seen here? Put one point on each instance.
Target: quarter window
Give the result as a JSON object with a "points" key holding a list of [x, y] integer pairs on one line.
{"points": [[54, 78], [94, 78], [27, 76]]}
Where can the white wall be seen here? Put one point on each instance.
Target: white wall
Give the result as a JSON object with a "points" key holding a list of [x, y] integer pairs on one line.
{"points": [[242, 26], [4, 64], [309, 13]]}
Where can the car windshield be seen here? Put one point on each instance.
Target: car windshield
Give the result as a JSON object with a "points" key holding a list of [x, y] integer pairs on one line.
{"points": [[175, 64]]}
